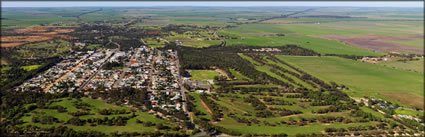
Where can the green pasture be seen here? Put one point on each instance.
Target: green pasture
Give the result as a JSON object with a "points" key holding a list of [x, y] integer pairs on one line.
{"points": [[363, 79], [416, 66]]}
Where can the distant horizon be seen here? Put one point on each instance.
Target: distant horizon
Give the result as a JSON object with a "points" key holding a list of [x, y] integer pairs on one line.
{"points": [[54, 4]]}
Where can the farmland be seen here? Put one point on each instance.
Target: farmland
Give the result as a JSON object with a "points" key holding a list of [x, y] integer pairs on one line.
{"points": [[363, 79], [206, 71]]}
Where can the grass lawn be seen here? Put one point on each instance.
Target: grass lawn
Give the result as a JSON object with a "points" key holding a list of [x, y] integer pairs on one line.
{"points": [[203, 74], [363, 79]]}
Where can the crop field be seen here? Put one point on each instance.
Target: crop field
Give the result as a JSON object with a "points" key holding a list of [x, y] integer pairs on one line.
{"points": [[398, 36], [364, 79], [93, 106], [276, 71], [415, 66], [322, 46]]}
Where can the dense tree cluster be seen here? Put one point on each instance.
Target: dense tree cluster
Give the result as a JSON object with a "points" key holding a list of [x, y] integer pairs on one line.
{"points": [[112, 112], [114, 121], [111, 65]]}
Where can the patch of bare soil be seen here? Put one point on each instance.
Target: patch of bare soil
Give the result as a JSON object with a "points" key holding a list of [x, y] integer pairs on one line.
{"points": [[406, 98], [377, 42], [223, 73], [36, 34]]}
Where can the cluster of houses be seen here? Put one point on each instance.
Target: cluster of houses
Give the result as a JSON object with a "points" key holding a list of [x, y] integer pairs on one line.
{"points": [[165, 90], [264, 50], [136, 72], [49, 78], [143, 67], [105, 78], [374, 60], [387, 105]]}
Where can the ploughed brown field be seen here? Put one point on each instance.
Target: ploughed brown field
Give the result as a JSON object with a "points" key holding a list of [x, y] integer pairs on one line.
{"points": [[406, 98], [377, 42], [36, 34]]}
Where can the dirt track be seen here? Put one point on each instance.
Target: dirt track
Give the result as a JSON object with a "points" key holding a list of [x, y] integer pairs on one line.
{"points": [[206, 107]]}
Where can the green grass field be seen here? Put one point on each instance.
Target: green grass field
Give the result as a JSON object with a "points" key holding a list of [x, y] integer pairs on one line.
{"points": [[203, 74], [416, 66], [363, 79]]}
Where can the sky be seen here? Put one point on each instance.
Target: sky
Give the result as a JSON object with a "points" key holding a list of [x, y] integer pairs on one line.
{"points": [[419, 4]]}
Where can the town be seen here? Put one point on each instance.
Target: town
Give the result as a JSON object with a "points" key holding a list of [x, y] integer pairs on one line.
{"points": [[138, 68]]}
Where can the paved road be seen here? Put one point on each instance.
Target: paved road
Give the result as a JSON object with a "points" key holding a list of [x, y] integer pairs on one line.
{"points": [[183, 91]]}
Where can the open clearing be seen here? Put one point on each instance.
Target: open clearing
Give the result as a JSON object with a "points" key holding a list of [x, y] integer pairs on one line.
{"points": [[363, 79]]}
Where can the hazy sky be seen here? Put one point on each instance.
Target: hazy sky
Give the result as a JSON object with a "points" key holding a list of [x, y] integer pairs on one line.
{"points": [[223, 4]]}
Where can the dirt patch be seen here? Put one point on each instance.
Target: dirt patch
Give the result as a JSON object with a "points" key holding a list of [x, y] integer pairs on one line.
{"points": [[223, 73], [406, 98], [377, 42], [36, 34]]}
